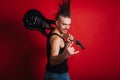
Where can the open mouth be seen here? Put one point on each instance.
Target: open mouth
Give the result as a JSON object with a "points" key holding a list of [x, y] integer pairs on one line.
{"points": [[65, 30]]}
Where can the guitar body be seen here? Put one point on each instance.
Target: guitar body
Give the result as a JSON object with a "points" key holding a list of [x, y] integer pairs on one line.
{"points": [[34, 20]]}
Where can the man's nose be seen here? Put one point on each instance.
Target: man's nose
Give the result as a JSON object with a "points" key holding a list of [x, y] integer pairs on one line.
{"points": [[67, 26]]}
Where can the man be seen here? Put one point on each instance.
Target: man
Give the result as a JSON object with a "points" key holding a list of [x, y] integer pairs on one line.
{"points": [[59, 50]]}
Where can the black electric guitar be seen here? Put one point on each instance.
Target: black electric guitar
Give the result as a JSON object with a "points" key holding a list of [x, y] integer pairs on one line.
{"points": [[34, 20]]}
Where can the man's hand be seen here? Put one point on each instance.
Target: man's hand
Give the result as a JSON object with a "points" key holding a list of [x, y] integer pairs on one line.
{"points": [[69, 50], [70, 38]]}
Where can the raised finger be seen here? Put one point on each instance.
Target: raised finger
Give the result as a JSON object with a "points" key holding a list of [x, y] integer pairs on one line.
{"points": [[76, 52]]}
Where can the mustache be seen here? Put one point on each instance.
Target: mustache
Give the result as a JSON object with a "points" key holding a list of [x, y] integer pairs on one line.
{"points": [[65, 29]]}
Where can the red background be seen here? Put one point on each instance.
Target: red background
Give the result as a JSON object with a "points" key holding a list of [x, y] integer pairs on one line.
{"points": [[95, 23]]}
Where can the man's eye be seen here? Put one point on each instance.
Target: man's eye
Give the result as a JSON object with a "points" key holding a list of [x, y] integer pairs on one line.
{"points": [[64, 24]]}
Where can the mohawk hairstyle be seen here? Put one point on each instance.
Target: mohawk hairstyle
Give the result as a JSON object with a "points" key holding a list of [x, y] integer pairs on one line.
{"points": [[64, 9]]}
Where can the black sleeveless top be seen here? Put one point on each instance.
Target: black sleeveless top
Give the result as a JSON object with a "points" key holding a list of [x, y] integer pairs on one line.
{"points": [[59, 68]]}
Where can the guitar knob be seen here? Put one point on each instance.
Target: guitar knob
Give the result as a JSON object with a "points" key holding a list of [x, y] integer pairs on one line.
{"points": [[27, 21], [30, 24]]}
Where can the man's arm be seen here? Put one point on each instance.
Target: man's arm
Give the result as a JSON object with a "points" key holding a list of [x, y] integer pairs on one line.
{"points": [[57, 58]]}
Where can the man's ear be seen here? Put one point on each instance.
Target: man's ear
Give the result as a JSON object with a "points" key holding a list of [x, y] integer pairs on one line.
{"points": [[57, 22]]}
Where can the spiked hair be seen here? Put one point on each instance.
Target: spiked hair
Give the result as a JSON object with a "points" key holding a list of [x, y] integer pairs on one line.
{"points": [[64, 9]]}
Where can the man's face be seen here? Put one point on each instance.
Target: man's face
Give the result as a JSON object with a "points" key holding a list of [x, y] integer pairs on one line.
{"points": [[63, 24]]}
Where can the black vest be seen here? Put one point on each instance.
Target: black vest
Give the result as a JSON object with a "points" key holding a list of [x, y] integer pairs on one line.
{"points": [[60, 68]]}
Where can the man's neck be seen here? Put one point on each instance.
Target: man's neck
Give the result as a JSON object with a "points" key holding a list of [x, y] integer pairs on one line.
{"points": [[58, 32]]}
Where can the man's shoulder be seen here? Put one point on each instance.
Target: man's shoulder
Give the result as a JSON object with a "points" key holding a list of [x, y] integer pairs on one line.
{"points": [[55, 38]]}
